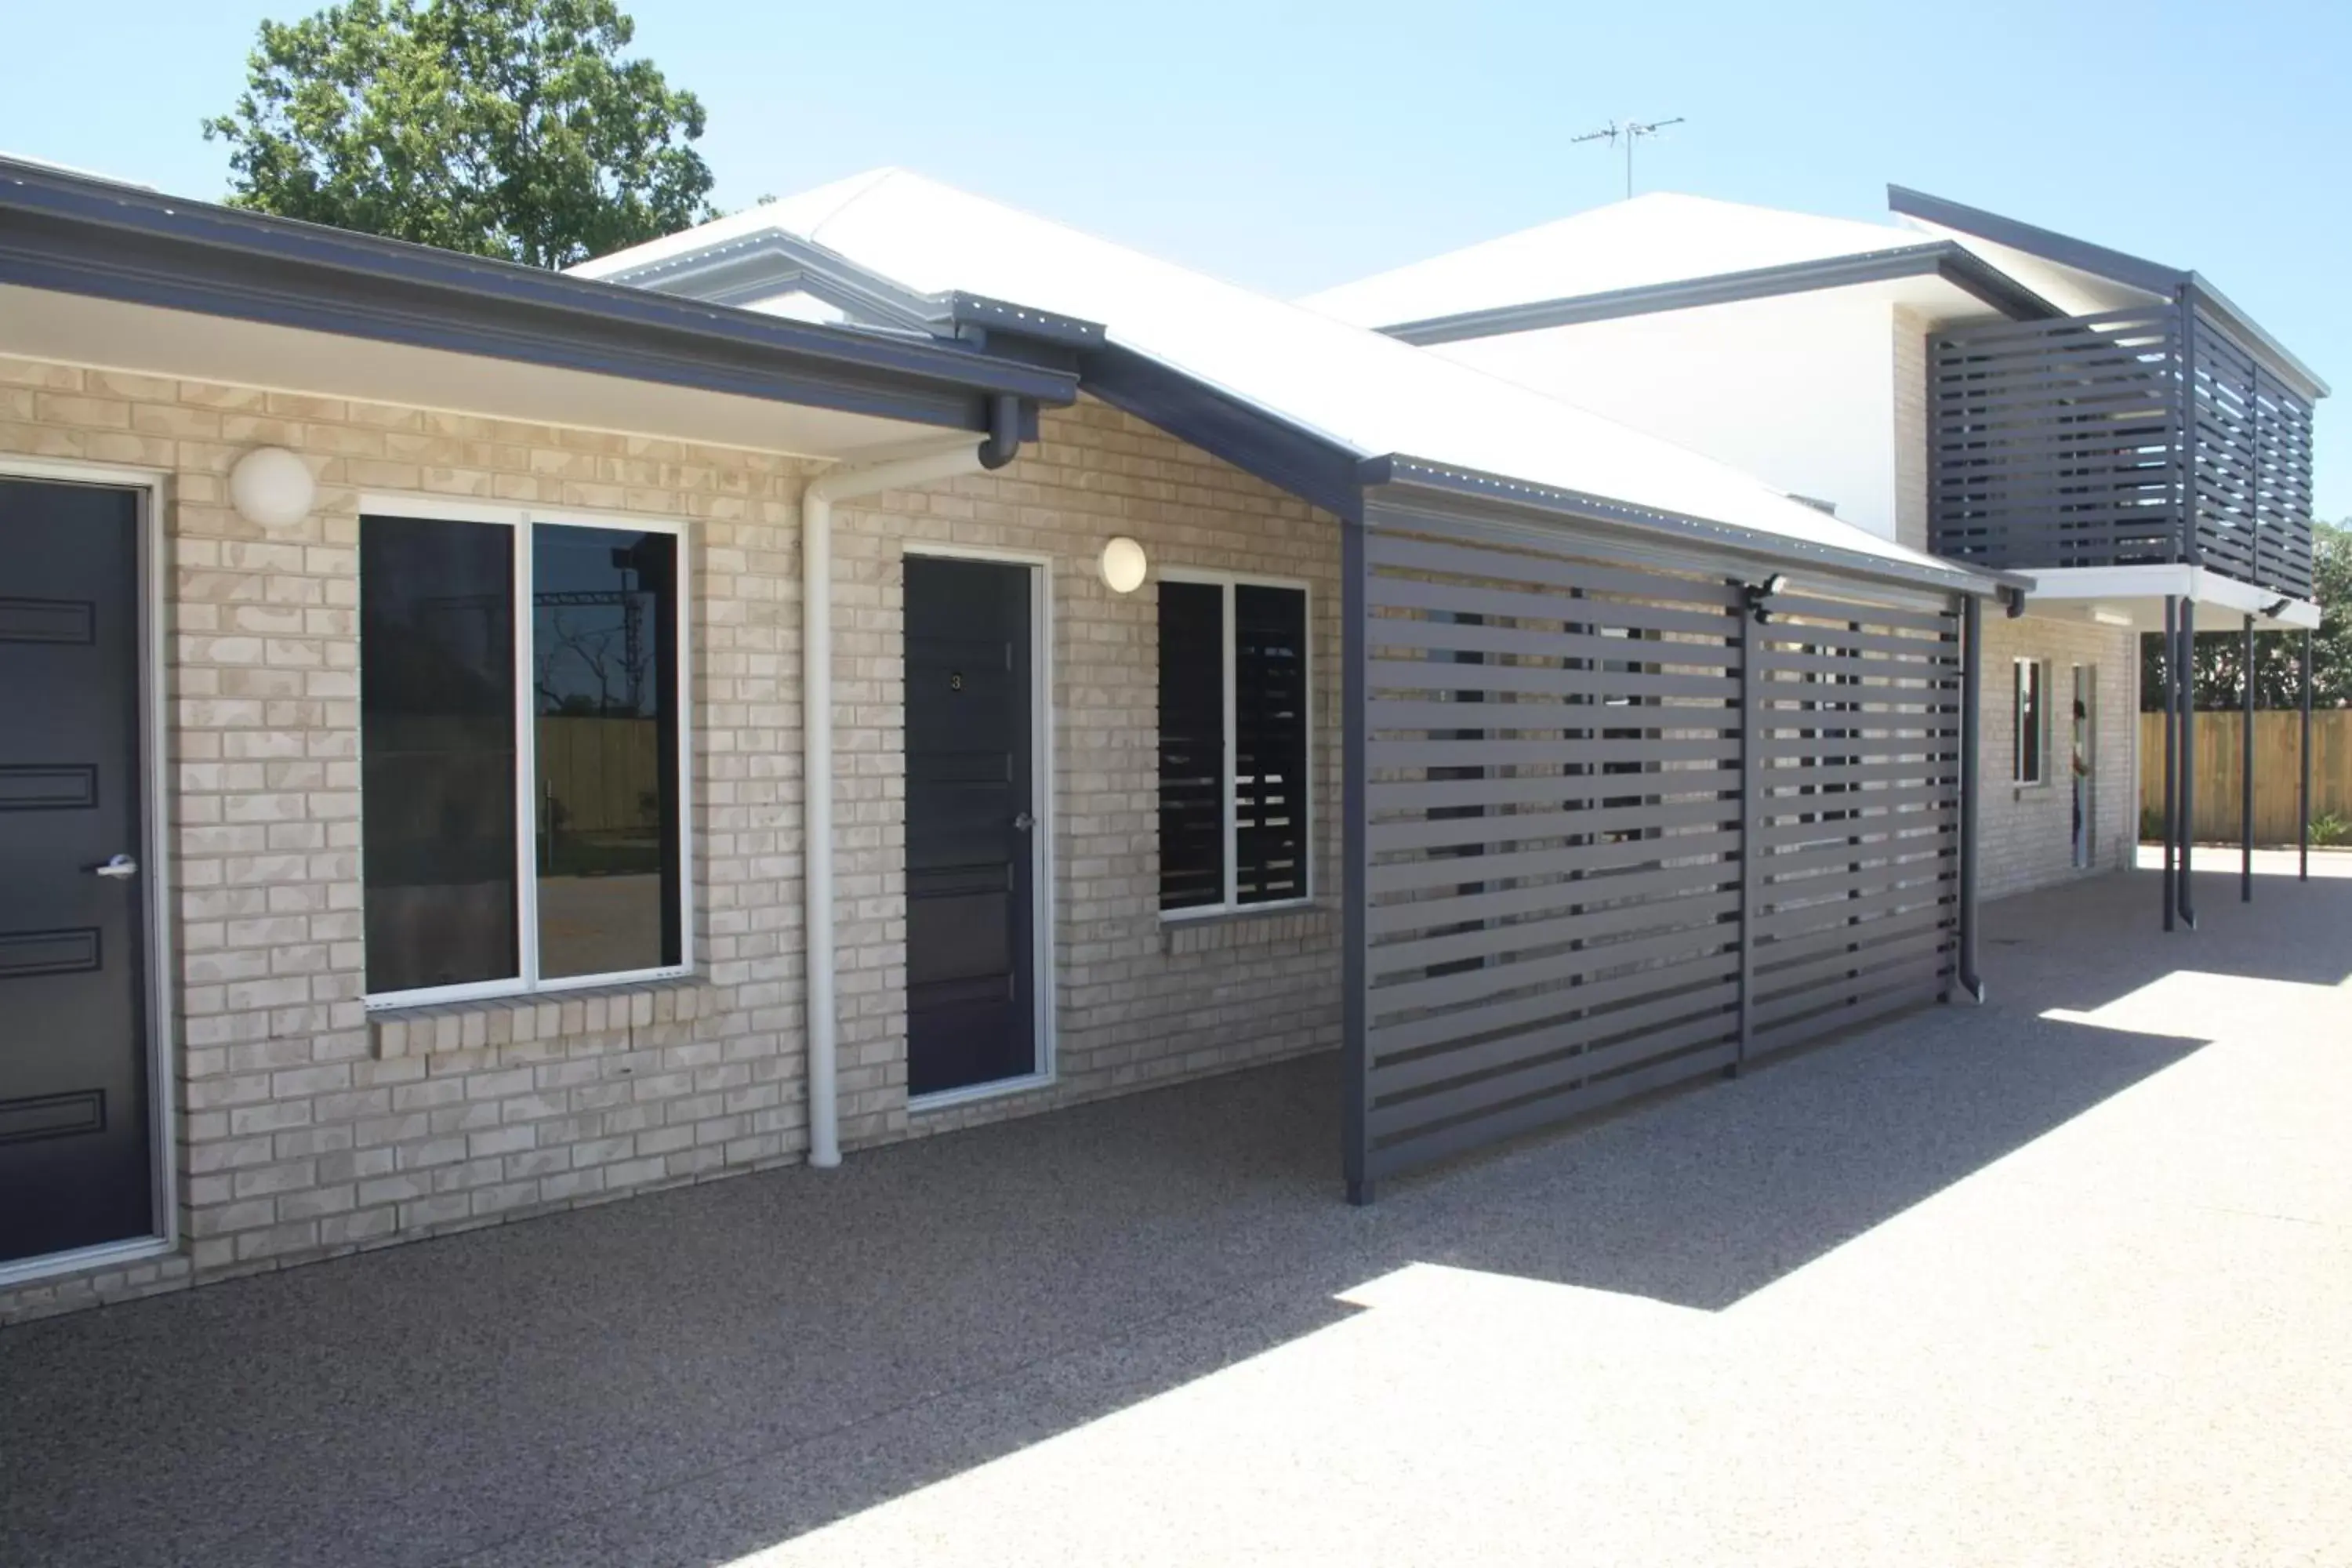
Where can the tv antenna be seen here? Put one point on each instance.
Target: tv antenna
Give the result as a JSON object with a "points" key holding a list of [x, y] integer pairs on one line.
{"points": [[1629, 131]]}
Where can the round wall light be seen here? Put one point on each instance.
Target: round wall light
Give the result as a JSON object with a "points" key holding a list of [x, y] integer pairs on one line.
{"points": [[1123, 565], [271, 487]]}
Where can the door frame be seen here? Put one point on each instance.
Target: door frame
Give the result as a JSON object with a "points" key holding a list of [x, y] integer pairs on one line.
{"points": [[1040, 566], [2087, 692], [151, 488]]}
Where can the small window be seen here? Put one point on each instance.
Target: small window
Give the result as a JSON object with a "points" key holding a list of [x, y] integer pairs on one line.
{"points": [[1233, 816], [522, 800], [2032, 710]]}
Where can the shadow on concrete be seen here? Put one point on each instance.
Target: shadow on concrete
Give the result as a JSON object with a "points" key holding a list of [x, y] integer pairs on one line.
{"points": [[2091, 942], [691, 1376]]}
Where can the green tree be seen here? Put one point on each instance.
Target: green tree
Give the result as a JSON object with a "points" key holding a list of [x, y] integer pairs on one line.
{"points": [[505, 128], [2278, 655]]}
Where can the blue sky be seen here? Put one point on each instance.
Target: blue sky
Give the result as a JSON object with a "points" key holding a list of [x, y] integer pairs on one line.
{"points": [[1290, 147]]}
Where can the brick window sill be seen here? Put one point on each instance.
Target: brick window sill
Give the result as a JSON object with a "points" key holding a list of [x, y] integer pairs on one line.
{"points": [[1233, 929], [492, 1022]]}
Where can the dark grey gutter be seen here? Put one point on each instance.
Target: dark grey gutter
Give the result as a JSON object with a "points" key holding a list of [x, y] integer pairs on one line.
{"points": [[73, 234], [2118, 267], [1399, 472], [1945, 258]]}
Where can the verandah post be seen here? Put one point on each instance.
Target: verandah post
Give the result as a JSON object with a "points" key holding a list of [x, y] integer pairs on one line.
{"points": [[2186, 662], [1971, 783], [2302, 792], [1355, 863], [2171, 751], [2246, 779]]}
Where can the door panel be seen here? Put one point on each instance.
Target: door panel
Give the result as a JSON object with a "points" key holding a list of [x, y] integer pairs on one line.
{"points": [[971, 974], [75, 1156]]}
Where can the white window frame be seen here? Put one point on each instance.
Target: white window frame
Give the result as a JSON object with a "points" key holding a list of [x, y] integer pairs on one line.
{"points": [[2017, 773], [1230, 904], [528, 982]]}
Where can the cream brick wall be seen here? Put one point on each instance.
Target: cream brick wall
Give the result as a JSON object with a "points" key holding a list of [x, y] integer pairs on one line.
{"points": [[2028, 829], [306, 1128], [1137, 1003], [1910, 427]]}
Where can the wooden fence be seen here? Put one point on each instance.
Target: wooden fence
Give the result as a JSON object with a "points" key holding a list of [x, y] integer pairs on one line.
{"points": [[603, 771], [2278, 770]]}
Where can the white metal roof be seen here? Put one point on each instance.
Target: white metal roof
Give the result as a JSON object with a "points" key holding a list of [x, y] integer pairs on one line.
{"points": [[1356, 388], [1662, 237]]}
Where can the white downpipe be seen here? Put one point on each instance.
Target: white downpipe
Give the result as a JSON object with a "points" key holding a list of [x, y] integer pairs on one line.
{"points": [[817, 754]]}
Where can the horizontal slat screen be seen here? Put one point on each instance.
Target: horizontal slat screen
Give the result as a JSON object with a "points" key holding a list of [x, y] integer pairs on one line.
{"points": [[2068, 443], [1554, 826], [2252, 468], [2053, 443], [1191, 744], [1269, 744], [1857, 774]]}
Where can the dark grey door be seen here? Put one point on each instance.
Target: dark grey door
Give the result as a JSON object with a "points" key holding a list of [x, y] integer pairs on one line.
{"points": [[972, 1005], [74, 1148]]}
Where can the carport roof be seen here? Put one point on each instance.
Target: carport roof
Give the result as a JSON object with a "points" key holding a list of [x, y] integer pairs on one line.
{"points": [[1321, 407]]}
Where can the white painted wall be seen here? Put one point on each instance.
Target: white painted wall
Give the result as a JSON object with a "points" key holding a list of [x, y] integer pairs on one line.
{"points": [[1798, 390]]}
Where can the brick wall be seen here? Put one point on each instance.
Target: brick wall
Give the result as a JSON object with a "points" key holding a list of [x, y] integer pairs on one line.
{"points": [[1136, 1002], [307, 1128], [2028, 829], [1910, 427]]}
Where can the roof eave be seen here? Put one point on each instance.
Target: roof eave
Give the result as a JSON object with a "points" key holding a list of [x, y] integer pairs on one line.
{"points": [[1308, 464], [2132, 271], [75, 234]]}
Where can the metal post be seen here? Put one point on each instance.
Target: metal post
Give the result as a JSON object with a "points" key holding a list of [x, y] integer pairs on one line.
{"points": [[2187, 664], [1751, 829], [1971, 784], [2192, 547], [2246, 780], [2303, 792], [2171, 751], [1356, 1069]]}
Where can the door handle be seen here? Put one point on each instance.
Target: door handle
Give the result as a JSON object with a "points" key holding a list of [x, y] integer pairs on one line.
{"points": [[1023, 823], [117, 866]]}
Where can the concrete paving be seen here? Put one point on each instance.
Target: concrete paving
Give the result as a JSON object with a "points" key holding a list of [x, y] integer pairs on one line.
{"points": [[2062, 1279]]}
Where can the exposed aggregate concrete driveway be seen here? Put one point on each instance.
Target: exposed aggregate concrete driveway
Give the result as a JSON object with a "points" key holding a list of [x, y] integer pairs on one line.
{"points": [[2063, 1279]]}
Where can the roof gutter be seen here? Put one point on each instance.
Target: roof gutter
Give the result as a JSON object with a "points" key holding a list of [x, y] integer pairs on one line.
{"points": [[1397, 472]]}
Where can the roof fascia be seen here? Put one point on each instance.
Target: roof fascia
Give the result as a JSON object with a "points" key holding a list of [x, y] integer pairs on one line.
{"points": [[73, 234], [1314, 467], [2133, 271], [1946, 258], [1412, 475]]}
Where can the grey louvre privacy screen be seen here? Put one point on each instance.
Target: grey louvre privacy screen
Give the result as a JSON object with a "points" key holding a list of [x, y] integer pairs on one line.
{"points": [[1612, 833], [2080, 442]]}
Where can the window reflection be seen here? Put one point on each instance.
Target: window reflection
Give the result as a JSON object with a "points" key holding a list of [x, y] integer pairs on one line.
{"points": [[437, 751], [604, 673]]}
